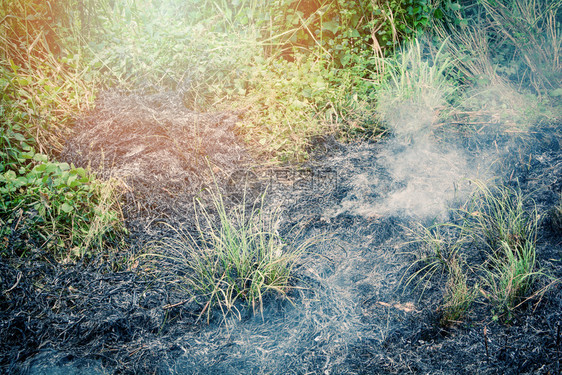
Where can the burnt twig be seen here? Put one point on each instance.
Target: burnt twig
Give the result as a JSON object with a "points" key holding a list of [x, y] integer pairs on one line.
{"points": [[486, 344], [558, 348]]}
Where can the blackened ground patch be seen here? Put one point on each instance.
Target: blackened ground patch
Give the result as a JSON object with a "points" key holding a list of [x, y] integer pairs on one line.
{"points": [[350, 314]]}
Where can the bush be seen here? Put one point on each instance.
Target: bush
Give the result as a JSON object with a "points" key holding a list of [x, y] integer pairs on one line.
{"points": [[152, 45], [57, 207], [44, 203], [289, 103], [415, 78], [343, 29]]}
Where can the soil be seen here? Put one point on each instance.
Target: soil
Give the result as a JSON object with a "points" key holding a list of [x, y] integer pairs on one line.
{"points": [[351, 313]]}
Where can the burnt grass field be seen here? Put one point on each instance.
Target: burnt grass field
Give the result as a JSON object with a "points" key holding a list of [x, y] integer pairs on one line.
{"points": [[350, 311]]}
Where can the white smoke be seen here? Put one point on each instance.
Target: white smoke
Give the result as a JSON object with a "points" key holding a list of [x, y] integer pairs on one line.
{"points": [[422, 176]]}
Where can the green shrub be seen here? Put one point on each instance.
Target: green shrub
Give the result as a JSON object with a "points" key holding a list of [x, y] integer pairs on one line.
{"points": [[44, 203], [59, 207], [282, 107], [415, 77], [343, 29], [288, 103]]}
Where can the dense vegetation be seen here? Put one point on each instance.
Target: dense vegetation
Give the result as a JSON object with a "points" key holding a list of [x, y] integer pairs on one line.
{"points": [[46, 204], [296, 70]]}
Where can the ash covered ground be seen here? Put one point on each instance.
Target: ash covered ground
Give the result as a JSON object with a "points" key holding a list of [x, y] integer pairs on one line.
{"points": [[351, 312]]}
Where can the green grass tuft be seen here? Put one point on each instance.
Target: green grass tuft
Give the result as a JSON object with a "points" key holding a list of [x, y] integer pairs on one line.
{"points": [[498, 217], [459, 295], [235, 258], [441, 255], [501, 225], [416, 77]]}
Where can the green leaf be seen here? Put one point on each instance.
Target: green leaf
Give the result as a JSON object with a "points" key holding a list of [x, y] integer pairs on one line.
{"points": [[331, 26], [64, 166], [50, 168], [80, 172], [23, 81], [455, 7], [40, 158], [22, 181], [10, 175], [40, 168], [66, 208]]}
